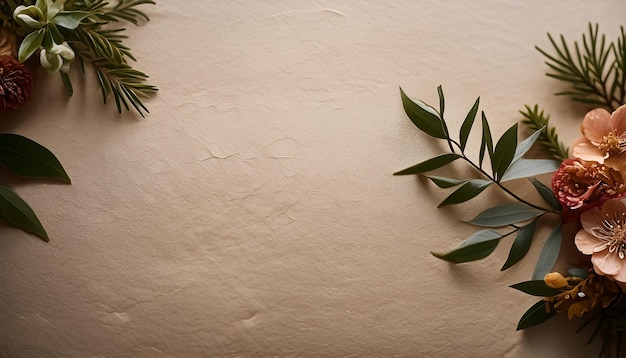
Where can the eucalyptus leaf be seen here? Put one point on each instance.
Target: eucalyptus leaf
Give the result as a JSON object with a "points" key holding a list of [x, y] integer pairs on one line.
{"points": [[70, 19], [466, 127], [548, 255], [535, 315], [524, 146], [430, 164], [16, 212], [423, 116], [466, 192], [444, 182], [520, 245], [30, 44], [477, 246], [506, 214], [546, 193], [536, 288], [486, 144], [524, 168], [27, 158], [504, 152]]}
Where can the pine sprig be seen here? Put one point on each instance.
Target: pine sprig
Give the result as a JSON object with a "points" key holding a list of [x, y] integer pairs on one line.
{"points": [[549, 139], [595, 71], [103, 12]]}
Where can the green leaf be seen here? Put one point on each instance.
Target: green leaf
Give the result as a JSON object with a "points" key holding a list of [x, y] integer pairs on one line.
{"points": [[430, 164], [466, 192], [547, 194], [524, 146], [536, 288], [578, 272], [548, 255], [521, 245], [442, 101], [26, 158], [30, 44], [16, 212], [466, 127], [70, 19], [487, 142], [504, 152], [443, 182], [535, 315], [504, 215], [477, 246], [423, 116], [524, 168]]}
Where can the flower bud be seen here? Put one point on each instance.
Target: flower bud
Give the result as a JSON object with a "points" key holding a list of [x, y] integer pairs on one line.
{"points": [[555, 280]]}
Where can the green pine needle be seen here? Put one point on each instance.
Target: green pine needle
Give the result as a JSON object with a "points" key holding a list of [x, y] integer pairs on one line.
{"points": [[549, 140], [594, 69]]}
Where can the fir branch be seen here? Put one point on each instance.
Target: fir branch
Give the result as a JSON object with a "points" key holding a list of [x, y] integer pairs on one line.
{"points": [[595, 71], [548, 138]]}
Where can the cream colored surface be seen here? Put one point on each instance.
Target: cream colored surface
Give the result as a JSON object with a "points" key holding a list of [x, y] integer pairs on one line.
{"points": [[253, 212]]}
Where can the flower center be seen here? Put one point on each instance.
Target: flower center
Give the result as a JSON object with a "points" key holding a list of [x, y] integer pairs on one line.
{"points": [[612, 144], [613, 234]]}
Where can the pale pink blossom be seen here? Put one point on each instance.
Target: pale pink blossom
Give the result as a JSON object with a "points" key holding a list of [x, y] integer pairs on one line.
{"points": [[604, 135], [603, 236]]}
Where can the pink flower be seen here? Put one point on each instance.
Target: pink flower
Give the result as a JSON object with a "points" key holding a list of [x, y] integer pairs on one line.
{"points": [[604, 135], [603, 236]]}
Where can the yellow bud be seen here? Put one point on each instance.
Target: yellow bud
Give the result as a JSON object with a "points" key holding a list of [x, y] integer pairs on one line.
{"points": [[555, 280]]}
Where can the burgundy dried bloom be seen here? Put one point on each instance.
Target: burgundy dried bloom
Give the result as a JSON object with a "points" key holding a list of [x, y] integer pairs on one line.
{"points": [[16, 83], [579, 185]]}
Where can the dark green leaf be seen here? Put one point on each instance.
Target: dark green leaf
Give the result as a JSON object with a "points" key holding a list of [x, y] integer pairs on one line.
{"points": [[466, 127], [535, 315], [504, 152], [423, 116], [548, 255], [430, 164], [478, 246], [466, 192], [30, 44], [442, 101], [487, 142], [578, 272], [443, 182], [16, 212], [536, 288], [504, 215], [27, 158], [546, 193], [521, 245], [524, 168]]}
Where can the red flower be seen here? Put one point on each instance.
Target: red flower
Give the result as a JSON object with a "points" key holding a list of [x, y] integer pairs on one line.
{"points": [[16, 83]]}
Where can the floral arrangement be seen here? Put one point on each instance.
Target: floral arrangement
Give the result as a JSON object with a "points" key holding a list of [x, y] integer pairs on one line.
{"points": [[58, 36], [586, 196]]}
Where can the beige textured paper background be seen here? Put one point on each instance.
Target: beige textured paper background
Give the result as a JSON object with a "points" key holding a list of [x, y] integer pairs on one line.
{"points": [[253, 212]]}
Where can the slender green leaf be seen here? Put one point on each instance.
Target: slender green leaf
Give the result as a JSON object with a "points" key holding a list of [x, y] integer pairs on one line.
{"points": [[442, 101], [504, 215], [524, 168], [466, 192], [477, 246], [504, 152], [423, 116], [444, 182], [548, 255], [536, 288], [486, 144], [430, 164], [546, 193], [466, 127], [30, 44], [535, 315], [29, 159], [16, 212], [524, 146], [520, 245]]}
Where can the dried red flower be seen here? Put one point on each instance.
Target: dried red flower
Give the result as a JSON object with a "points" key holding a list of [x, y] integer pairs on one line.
{"points": [[16, 82]]}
